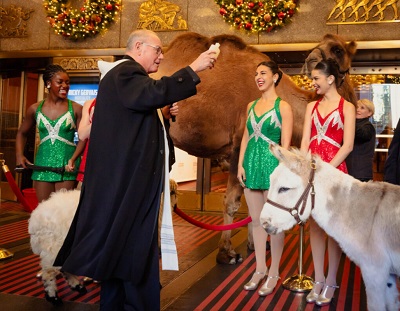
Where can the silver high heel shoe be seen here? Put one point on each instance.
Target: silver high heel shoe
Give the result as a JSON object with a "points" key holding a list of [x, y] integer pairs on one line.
{"points": [[265, 290], [313, 296], [322, 300], [251, 285]]}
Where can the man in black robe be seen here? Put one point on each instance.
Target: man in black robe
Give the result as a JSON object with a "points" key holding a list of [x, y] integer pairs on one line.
{"points": [[113, 236]]}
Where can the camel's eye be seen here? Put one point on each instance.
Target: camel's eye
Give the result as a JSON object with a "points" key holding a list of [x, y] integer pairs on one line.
{"points": [[283, 189], [338, 51]]}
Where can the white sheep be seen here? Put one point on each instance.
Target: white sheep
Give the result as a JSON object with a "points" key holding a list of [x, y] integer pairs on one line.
{"points": [[48, 226]]}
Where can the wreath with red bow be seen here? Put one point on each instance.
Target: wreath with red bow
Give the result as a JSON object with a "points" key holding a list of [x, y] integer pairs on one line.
{"points": [[256, 16], [93, 18]]}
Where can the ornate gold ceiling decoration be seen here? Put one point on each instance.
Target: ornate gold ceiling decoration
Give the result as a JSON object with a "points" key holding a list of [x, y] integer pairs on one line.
{"points": [[364, 11], [160, 15], [80, 63], [13, 22]]}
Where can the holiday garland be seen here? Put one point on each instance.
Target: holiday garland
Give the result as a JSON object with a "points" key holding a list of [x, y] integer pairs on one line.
{"points": [[255, 16], [93, 18]]}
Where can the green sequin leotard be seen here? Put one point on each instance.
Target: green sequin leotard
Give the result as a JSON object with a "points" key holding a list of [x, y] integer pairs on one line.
{"points": [[56, 144], [258, 161]]}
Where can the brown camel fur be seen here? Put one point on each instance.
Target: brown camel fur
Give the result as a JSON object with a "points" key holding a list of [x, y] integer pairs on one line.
{"points": [[211, 124]]}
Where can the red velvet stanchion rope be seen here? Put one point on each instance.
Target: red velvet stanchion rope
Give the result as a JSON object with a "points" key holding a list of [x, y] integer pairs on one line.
{"points": [[15, 189], [211, 227]]}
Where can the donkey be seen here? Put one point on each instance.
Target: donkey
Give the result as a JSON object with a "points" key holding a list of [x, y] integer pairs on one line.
{"points": [[364, 218]]}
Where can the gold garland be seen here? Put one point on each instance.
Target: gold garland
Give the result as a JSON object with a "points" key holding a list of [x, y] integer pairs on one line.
{"points": [[93, 18], [256, 16]]}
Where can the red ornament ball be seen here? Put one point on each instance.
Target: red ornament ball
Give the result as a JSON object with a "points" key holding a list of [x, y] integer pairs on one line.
{"points": [[109, 7], [248, 26], [239, 2], [260, 4], [222, 11], [251, 5], [281, 15]]}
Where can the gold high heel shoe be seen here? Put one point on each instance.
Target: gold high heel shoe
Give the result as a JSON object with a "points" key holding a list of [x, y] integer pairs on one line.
{"points": [[265, 290], [313, 296], [251, 285], [322, 300]]}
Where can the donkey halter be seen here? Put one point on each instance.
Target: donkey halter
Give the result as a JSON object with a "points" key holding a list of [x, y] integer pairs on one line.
{"points": [[294, 211]]}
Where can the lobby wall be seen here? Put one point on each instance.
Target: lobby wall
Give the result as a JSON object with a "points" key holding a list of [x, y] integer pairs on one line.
{"points": [[308, 25]]}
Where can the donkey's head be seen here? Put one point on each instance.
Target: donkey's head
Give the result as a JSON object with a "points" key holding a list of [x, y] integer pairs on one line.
{"points": [[289, 189]]}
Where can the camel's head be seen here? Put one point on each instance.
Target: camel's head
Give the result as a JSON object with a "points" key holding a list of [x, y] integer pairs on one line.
{"points": [[331, 46], [288, 182]]}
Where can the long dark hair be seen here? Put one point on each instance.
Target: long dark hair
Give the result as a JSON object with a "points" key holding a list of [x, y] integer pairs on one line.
{"points": [[330, 67], [274, 68]]}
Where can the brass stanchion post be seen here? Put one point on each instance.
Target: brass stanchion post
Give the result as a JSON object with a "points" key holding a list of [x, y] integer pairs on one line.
{"points": [[4, 254], [299, 282]]}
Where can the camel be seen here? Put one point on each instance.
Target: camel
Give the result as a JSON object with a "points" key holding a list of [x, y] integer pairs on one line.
{"points": [[364, 218], [211, 124]]}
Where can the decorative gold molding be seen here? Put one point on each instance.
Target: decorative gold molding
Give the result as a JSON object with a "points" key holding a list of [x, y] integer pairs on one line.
{"points": [[160, 15], [284, 47], [80, 63], [13, 22], [348, 12]]}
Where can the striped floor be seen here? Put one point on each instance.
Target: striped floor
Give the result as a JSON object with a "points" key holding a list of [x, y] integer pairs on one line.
{"points": [[218, 288], [225, 286]]}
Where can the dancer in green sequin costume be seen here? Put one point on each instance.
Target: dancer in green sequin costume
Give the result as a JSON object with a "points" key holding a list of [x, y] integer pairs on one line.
{"points": [[56, 119], [269, 120]]}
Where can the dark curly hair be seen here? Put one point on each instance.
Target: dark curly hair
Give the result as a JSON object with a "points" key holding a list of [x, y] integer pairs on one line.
{"points": [[274, 68], [50, 71], [330, 67]]}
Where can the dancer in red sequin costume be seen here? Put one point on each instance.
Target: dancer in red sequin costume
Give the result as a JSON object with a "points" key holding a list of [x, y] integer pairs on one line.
{"points": [[329, 128]]}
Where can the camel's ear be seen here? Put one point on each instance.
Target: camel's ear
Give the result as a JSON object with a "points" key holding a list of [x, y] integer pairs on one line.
{"points": [[351, 49]]}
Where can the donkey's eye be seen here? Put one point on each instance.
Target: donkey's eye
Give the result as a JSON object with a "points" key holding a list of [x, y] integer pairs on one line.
{"points": [[283, 189]]}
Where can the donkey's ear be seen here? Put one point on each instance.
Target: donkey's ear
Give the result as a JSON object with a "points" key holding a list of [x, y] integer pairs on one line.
{"points": [[280, 153]]}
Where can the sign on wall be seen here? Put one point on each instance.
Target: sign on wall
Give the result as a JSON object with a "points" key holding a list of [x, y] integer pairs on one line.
{"points": [[82, 92]]}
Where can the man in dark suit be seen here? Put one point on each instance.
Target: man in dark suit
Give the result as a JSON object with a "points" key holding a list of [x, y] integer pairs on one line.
{"points": [[392, 164], [113, 237]]}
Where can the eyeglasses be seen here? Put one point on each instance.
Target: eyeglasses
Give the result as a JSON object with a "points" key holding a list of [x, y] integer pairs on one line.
{"points": [[157, 48]]}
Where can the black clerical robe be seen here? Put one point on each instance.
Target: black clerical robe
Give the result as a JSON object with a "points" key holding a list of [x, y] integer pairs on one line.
{"points": [[114, 231]]}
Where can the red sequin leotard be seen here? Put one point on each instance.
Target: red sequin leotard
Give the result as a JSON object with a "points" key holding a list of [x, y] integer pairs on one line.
{"points": [[327, 133]]}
